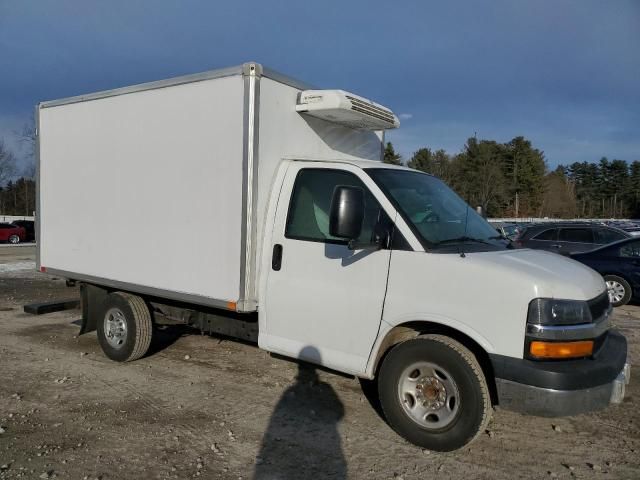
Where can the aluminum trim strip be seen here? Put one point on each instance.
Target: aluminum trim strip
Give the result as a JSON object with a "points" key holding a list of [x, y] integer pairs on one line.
{"points": [[169, 82], [245, 174], [281, 78], [251, 79], [251, 294], [36, 117], [143, 290], [249, 185]]}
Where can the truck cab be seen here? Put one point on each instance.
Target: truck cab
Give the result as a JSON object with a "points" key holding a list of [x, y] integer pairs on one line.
{"points": [[390, 275]]}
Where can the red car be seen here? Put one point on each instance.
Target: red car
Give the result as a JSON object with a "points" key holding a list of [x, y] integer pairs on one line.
{"points": [[12, 233]]}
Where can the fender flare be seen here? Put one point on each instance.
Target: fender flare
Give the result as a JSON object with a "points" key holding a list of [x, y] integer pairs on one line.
{"points": [[413, 325]]}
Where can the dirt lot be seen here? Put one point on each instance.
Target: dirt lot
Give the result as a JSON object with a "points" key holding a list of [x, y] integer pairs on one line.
{"points": [[211, 408]]}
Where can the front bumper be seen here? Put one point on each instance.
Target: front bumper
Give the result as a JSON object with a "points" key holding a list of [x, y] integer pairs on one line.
{"points": [[564, 388]]}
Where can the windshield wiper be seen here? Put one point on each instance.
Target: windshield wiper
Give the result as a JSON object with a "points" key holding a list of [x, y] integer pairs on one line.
{"points": [[462, 239]]}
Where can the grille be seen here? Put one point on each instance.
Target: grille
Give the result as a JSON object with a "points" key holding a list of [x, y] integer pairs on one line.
{"points": [[599, 306], [358, 105]]}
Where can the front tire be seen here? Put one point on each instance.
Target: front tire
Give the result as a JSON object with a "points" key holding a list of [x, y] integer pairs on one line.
{"points": [[125, 328], [619, 290], [433, 393], [14, 239]]}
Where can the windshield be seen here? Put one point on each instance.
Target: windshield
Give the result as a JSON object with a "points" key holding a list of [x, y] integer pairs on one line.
{"points": [[434, 211], [510, 229]]}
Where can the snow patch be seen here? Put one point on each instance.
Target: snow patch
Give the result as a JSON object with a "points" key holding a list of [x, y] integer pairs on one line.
{"points": [[17, 266]]}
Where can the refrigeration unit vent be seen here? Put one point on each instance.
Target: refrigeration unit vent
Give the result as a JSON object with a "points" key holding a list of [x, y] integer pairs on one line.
{"points": [[346, 109]]}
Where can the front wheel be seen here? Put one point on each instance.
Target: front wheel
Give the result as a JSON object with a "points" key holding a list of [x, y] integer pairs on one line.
{"points": [[433, 393], [619, 290], [125, 329], [14, 239]]}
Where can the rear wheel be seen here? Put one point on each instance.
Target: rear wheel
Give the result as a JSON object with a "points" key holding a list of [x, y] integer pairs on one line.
{"points": [[14, 239], [619, 290], [433, 393], [125, 327]]}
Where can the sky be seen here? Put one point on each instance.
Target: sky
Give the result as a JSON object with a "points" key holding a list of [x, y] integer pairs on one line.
{"points": [[564, 74]]}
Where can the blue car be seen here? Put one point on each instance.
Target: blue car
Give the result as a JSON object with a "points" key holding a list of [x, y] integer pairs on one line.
{"points": [[619, 264]]}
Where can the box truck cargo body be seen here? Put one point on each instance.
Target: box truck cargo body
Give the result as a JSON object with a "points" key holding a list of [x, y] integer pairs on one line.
{"points": [[249, 204], [165, 186]]}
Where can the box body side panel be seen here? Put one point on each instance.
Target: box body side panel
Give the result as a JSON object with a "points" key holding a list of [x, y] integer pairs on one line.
{"points": [[146, 188]]}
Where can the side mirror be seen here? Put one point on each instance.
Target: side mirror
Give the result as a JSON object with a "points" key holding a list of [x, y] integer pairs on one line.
{"points": [[347, 212]]}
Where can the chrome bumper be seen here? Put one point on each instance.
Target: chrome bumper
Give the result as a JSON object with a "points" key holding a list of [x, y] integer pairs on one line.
{"points": [[547, 402]]}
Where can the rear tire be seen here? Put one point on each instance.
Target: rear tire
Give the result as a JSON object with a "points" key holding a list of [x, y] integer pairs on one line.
{"points": [[433, 393], [14, 239], [124, 327], [619, 290]]}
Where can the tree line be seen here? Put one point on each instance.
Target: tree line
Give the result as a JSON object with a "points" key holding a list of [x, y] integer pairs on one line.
{"points": [[512, 180], [18, 197], [505, 179], [17, 188]]}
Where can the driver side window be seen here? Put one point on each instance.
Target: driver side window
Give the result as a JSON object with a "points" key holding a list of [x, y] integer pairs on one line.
{"points": [[308, 217]]}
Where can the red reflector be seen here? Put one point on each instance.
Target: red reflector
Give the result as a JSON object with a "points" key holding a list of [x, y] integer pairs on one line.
{"points": [[43, 269]]}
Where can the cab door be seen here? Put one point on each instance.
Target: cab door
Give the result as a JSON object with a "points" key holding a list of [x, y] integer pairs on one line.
{"points": [[323, 302]]}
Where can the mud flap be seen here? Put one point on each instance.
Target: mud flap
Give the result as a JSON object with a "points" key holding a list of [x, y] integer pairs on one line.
{"points": [[91, 298]]}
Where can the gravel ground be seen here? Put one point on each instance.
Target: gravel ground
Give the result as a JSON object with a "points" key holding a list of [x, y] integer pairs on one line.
{"points": [[212, 408]]}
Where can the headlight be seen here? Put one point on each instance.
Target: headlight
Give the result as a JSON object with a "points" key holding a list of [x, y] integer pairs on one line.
{"points": [[548, 311]]}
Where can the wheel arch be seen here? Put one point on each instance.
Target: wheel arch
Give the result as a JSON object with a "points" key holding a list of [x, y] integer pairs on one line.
{"points": [[413, 329], [617, 274]]}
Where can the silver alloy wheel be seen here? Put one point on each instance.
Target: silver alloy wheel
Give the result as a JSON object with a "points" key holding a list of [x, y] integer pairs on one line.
{"points": [[14, 239], [429, 395], [616, 291], [115, 328]]}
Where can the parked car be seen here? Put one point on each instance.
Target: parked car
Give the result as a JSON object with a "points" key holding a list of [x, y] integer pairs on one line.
{"points": [[29, 228], [568, 237], [506, 229], [632, 228], [12, 233], [619, 264]]}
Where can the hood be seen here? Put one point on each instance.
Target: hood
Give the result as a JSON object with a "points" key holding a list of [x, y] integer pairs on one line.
{"points": [[485, 295], [552, 275]]}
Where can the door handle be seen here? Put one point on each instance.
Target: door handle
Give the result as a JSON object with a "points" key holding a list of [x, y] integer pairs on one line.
{"points": [[556, 246], [276, 258]]}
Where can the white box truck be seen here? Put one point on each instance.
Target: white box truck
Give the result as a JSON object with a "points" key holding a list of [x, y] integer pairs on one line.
{"points": [[248, 204]]}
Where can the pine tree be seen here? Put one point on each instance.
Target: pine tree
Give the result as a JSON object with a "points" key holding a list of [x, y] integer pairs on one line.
{"points": [[390, 155], [422, 160]]}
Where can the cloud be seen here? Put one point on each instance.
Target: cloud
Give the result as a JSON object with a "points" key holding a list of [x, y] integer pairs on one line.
{"points": [[405, 116]]}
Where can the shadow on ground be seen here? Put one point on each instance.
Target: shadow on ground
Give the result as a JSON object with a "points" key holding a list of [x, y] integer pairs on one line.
{"points": [[302, 438]]}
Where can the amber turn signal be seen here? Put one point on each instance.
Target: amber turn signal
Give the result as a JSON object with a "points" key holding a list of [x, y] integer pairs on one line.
{"points": [[561, 349]]}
